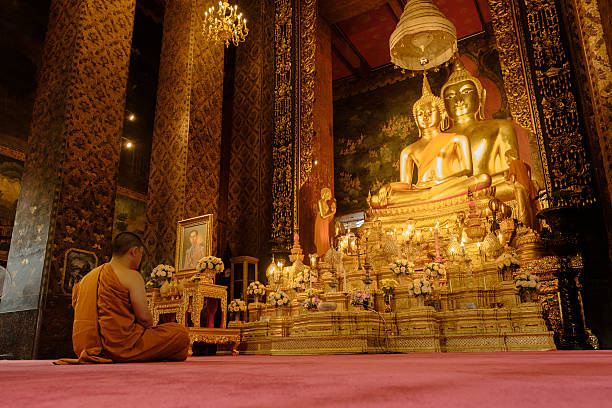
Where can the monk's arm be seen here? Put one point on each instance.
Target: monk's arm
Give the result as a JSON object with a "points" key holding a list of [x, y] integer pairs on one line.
{"points": [[138, 297]]}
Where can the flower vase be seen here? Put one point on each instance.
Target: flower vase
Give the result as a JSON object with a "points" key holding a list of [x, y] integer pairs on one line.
{"points": [[279, 312], [420, 301], [507, 274], [256, 300]]}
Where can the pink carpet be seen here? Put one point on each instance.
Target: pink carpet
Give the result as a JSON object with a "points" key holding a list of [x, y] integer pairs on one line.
{"points": [[510, 379]]}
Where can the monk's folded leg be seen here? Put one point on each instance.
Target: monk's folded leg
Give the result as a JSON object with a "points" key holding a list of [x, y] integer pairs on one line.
{"points": [[168, 341]]}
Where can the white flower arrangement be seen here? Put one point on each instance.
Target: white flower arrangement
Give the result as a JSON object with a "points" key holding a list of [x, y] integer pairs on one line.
{"points": [[435, 269], [256, 289], [278, 299], [210, 263], [161, 273], [402, 267], [524, 281], [420, 287], [237, 305], [508, 260]]}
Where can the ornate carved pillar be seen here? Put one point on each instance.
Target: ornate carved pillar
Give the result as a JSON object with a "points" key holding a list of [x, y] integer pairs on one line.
{"points": [[283, 146], [544, 84], [69, 182], [169, 148], [184, 172], [204, 145], [249, 214], [295, 46]]}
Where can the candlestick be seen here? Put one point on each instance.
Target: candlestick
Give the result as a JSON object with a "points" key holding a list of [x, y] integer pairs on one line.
{"points": [[485, 283], [450, 285], [345, 288], [437, 240]]}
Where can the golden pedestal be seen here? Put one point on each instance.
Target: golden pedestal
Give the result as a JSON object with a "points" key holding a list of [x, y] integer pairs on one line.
{"points": [[472, 308]]}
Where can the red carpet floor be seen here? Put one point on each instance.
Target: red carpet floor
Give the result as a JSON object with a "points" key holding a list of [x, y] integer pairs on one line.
{"points": [[511, 379]]}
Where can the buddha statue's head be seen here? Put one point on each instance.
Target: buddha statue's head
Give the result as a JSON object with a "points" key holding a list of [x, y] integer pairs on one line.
{"points": [[463, 94], [428, 110]]}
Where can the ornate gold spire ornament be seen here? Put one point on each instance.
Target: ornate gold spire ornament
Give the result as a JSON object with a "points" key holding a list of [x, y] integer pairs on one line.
{"points": [[225, 24], [429, 97], [424, 38]]}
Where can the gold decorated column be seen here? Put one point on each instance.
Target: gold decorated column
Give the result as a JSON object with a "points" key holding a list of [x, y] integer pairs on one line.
{"points": [[184, 171], [68, 188], [166, 194]]}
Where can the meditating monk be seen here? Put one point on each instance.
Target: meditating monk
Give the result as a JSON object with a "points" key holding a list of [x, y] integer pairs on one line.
{"points": [[112, 323]]}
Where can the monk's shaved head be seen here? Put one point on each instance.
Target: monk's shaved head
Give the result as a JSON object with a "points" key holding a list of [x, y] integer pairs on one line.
{"points": [[124, 241]]}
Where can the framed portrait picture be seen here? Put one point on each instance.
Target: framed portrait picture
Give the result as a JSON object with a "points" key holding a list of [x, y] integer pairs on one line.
{"points": [[193, 241], [77, 263]]}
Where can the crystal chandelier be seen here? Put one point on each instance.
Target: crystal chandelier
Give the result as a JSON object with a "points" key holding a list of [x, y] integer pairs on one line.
{"points": [[424, 38], [225, 24]]}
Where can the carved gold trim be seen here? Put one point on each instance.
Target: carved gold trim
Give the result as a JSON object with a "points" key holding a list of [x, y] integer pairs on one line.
{"points": [[308, 24], [516, 73], [283, 155], [586, 25]]}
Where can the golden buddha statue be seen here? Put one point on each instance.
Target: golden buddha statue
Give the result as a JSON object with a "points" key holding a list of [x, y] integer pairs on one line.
{"points": [[440, 156], [464, 98], [443, 161], [437, 156]]}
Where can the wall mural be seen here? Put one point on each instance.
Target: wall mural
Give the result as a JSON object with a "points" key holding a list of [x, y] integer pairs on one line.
{"points": [[129, 215], [371, 128]]}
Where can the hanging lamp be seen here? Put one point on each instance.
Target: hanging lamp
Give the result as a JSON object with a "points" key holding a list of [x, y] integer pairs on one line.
{"points": [[423, 38]]}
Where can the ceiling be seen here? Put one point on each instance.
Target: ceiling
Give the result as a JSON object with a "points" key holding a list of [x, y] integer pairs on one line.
{"points": [[361, 29]]}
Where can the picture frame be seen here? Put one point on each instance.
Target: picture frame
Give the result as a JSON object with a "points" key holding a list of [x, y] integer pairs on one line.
{"points": [[193, 241], [77, 263]]}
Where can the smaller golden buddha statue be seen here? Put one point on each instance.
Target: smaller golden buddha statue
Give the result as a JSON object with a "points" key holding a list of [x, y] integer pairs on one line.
{"points": [[437, 156], [326, 209]]}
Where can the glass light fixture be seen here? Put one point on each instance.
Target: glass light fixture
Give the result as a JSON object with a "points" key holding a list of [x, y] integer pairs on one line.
{"points": [[423, 38], [225, 24]]}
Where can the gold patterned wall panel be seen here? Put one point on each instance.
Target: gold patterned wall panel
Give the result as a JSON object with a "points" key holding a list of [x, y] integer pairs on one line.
{"points": [[68, 188], [569, 166], [283, 191], [517, 73], [249, 193], [595, 73], [204, 146], [167, 178], [538, 74], [306, 88]]}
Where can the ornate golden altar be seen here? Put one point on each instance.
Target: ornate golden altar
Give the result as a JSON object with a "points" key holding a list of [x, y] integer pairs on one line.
{"points": [[475, 308], [188, 299]]}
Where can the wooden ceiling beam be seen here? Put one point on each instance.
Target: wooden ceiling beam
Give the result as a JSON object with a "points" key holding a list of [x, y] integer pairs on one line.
{"points": [[343, 59], [335, 11], [364, 65], [397, 9]]}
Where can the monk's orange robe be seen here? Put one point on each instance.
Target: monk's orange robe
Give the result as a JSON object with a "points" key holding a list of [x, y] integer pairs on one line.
{"points": [[105, 329]]}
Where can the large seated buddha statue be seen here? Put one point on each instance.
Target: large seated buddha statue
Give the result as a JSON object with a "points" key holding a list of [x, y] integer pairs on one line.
{"points": [[468, 157]]}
